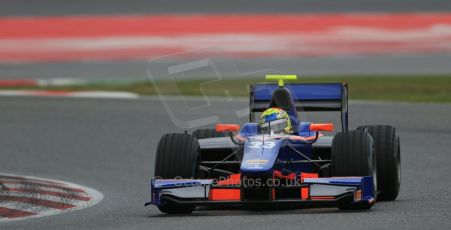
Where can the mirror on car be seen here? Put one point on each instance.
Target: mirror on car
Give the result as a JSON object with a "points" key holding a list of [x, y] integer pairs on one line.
{"points": [[326, 127], [222, 128]]}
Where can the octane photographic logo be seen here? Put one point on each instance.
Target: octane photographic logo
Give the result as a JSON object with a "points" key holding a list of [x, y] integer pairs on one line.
{"points": [[204, 69]]}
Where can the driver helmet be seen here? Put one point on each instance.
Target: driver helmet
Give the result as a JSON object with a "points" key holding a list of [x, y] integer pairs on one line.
{"points": [[275, 121]]}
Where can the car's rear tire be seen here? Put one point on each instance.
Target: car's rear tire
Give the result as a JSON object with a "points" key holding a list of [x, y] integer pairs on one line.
{"points": [[353, 155], [388, 157], [176, 158], [207, 133]]}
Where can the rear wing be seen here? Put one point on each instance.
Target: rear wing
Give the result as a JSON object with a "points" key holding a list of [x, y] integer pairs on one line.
{"points": [[306, 96]]}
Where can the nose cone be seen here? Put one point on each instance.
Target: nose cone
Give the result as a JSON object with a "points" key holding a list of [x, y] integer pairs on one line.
{"points": [[259, 155]]}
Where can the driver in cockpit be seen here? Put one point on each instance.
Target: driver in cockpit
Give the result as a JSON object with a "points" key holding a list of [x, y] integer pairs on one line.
{"points": [[275, 121]]}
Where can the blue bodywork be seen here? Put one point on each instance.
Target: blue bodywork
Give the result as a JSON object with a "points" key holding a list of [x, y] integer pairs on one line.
{"points": [[330, 96], [261, 155], [304, 97], [302, 92]]}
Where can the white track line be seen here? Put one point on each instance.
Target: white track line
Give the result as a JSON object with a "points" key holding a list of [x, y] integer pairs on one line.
{"points": [[84, 94]]}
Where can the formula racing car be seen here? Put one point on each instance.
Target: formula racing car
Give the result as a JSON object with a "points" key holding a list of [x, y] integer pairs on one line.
{"points": [[278, 159]]}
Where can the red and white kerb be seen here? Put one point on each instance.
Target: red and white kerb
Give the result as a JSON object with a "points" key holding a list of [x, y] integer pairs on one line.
{"points": [[23, 197]]}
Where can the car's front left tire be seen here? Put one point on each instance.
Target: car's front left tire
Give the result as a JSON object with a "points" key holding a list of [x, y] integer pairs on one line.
{"points": [[176, 158]]}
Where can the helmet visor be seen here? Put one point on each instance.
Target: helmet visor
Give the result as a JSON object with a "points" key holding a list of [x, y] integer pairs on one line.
{"points": [[273, 127]]}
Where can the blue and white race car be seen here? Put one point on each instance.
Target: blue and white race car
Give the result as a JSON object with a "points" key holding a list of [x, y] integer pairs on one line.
{"points": [[279, 160]]}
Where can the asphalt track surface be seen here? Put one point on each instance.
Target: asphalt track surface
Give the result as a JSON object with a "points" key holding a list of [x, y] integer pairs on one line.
{"points": [[84, 7], [109, 145], [229, 68]]}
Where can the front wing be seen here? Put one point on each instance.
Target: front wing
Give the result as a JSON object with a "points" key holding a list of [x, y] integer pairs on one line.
{"points": [[312, 192]]}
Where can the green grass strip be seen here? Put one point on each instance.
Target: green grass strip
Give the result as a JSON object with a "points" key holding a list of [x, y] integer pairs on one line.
{"points": [[425, 88]]}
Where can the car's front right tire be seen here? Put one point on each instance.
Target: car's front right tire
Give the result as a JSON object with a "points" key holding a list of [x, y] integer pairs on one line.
{"points": [[353, 155], [388, 156]]}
